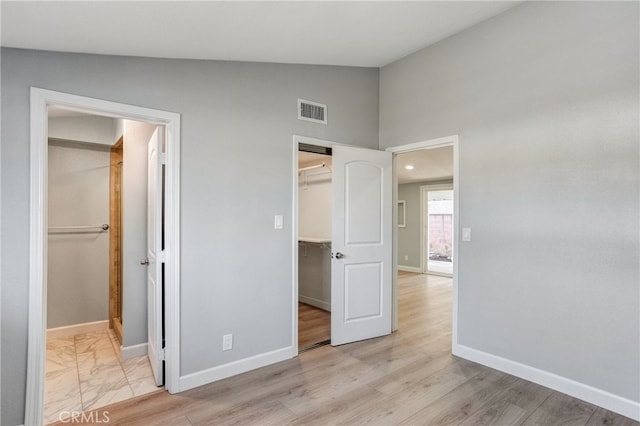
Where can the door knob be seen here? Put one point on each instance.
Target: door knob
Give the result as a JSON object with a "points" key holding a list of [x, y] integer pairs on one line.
{"points": [[339, 255], [144, 262]]}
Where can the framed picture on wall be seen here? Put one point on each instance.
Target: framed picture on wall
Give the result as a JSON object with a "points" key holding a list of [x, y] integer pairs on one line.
{"points": [[402, 214]]}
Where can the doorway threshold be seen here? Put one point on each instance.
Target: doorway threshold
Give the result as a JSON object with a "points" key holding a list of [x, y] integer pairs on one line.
{"points": [[315, 346]]}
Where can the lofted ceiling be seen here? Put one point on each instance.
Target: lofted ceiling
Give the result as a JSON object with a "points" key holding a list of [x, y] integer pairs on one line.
{"points": [[354, 33]]}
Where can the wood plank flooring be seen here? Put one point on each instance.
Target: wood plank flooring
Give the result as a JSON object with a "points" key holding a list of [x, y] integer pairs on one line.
{"points": [[409, 377], [314, 325]]}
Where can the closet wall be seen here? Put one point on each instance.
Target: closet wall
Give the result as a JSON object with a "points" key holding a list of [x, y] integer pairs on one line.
{"points": [[314, 231], [78, 274]]}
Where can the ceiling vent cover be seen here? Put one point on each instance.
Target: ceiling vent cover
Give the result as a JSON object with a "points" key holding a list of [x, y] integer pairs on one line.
{"points": [[312, 111]]}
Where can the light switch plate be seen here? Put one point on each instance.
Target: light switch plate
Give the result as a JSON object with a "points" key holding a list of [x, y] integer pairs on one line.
{"points": [[227, 342], [466, 234], [278, 222]]}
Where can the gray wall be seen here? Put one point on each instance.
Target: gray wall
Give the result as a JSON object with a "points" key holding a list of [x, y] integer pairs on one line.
{"points": [[545, 100], [237, 125], [409, 236], [89, 129], [78, 262]]}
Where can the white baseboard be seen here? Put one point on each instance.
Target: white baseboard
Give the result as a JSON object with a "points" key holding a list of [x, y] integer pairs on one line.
{"points": [[210, 375], [133, 351], [615, 403], [409, 269], [315, 302], [72, 330]]}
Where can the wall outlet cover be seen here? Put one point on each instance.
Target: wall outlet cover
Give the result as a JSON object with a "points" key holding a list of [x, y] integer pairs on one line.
{"points": [[227, 342]]}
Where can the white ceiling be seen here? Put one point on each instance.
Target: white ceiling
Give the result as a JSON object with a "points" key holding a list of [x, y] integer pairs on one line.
{"points": [[355, 33], [428, 165]]}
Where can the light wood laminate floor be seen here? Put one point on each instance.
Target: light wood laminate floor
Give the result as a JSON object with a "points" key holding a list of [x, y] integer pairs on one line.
{"points": [[314, 325], [407, 378]]}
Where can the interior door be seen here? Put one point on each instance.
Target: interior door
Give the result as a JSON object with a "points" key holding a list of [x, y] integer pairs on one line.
{"points": [[154, 256], [361, 270]]}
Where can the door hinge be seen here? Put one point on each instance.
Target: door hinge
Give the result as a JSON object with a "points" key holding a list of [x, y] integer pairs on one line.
{"points": [[162, 256], [163, 158], [161, 355]]}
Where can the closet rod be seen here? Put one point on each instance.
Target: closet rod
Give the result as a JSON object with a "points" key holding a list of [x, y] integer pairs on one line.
{"points": [[317, 166], [104, 227]]}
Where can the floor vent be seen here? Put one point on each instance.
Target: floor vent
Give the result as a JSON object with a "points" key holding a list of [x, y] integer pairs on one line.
{"points": [[312, 111], [315, 346]]}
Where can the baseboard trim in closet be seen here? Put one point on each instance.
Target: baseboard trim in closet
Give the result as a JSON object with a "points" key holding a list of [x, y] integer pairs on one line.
{"points": [[72, 330], [133, 351], [315, 302]]}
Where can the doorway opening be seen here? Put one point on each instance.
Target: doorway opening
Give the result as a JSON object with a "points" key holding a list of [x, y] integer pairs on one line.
{"points": [[314, 246], [358, 252], [437, 230], [95, 356], [426, 192], [73, 187]]}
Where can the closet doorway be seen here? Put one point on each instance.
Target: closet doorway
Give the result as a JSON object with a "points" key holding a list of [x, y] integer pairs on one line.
{"points": [[314, 246], [97, 214], [71, 175]]}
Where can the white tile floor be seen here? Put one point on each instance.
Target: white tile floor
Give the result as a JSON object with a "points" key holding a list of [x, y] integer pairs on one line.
{"points": [[85, 372]]}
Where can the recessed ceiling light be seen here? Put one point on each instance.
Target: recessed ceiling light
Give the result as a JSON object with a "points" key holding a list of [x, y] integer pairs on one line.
{"points": [[408, 167]]}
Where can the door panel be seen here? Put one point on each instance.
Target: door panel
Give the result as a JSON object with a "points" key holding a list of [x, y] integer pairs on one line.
{"points": [[363, 291], [361, 269], [362, 183], [154, 249]]}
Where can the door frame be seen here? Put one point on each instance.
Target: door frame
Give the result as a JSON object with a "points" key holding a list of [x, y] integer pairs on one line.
{"points": [[297, 140], [40, 100], [424, 226], [453, 141]]}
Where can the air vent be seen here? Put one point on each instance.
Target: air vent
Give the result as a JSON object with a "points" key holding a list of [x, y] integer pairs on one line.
{"points": [[312, 111]]}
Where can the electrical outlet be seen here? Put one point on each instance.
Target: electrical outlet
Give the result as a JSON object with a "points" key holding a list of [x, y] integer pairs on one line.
{"points": [[227, 342], [406, 257]]}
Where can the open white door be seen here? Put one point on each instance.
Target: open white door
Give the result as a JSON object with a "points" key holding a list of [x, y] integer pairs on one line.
{"points": [[154, 256], [361, 270]]}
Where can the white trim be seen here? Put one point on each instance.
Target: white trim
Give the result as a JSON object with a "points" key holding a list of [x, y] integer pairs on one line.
{"points": [[402, 224], [424, 227], [40, 99], [133, 351], [220, 372], [409, 269], [599, 397], [294, 250], [72, 330], [315, 302], [431, 143], [452, 140]]}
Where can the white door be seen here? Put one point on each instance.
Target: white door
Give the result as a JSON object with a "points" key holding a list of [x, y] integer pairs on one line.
{"points": [[361, 269], [154, 255]]}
